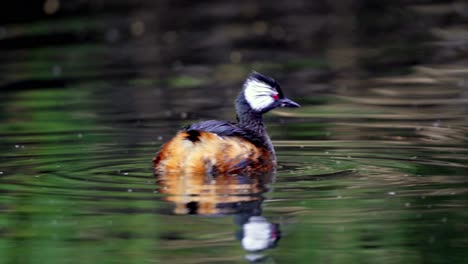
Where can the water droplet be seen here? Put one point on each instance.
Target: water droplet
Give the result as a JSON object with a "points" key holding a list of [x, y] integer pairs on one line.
{"points": [[260, 27], [137, 28], [125, 173], [129, 190], [407, 204], [391, 193], [79, 135], [51, 6]]}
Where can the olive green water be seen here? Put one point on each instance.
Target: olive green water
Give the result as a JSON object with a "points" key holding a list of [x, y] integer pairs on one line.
{"points": [[372, 168]]}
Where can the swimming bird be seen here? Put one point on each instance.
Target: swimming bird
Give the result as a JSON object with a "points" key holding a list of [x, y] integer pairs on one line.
{"points": [[211, 148]]}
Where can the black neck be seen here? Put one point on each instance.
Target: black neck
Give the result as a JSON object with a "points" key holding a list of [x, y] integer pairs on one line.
{"points": [[248, 118], [251, 121]]}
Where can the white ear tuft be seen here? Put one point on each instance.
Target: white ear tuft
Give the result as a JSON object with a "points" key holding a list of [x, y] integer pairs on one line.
{"points": [[258, 94]]}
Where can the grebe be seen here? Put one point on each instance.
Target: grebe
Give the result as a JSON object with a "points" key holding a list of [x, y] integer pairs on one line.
{"points": [[212, 148]]}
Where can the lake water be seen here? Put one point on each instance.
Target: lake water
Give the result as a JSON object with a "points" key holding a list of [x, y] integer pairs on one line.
{"points": [[372, 167]]}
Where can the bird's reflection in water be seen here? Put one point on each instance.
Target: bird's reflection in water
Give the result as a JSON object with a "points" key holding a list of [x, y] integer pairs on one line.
{"points": [[238, 195]]}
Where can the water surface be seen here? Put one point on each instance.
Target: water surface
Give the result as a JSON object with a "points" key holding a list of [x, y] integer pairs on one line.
{"points": [[372, 168]]}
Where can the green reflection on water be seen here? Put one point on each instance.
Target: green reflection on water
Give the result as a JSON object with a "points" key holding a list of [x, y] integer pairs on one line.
{"points": [[373, 172], [56, 212]]}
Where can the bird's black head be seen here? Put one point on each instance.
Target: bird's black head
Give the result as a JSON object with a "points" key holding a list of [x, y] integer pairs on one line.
{"points": [[263, 93]]}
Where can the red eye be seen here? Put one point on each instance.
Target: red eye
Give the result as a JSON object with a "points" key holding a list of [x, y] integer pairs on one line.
{"points": [[275, 96]]}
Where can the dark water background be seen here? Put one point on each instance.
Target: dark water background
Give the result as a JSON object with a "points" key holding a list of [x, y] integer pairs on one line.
{"points": [[372, 168]]}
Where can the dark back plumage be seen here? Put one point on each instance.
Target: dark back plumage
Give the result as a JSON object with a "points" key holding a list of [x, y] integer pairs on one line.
{"points": [[228, 129]]}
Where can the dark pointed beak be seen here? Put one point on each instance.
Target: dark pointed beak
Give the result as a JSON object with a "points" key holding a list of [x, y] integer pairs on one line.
{"points": [[285, 102]]}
